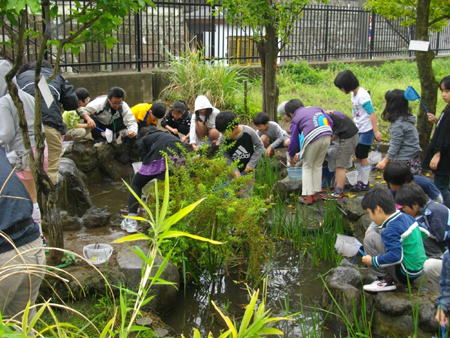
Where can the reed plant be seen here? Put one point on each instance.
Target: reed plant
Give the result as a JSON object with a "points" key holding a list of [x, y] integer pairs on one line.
{"points": [[191, 75]]}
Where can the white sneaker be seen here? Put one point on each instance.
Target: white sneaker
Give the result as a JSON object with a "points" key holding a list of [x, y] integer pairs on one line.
{"points": [[381, 285], [129, 225]]}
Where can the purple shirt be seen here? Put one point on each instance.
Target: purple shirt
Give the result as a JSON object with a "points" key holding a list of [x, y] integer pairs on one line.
{"points": [[304, 121]]}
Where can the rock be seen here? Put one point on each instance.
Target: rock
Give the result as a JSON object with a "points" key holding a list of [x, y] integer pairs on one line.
{"points": [[392, 311], [144, 321], [352, 208], [73, 195], [165, 295], [116, 220], [96, 217], [71, 223], [284, 188], [359, 230], [161, 332]]}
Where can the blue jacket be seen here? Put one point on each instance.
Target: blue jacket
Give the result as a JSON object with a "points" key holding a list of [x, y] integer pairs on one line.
{"points": [[435, 218], [443, 301], [403, 240], [15, 211]]}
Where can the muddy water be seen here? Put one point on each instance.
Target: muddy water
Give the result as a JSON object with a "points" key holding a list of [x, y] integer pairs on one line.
{"points": [[294, 284]]}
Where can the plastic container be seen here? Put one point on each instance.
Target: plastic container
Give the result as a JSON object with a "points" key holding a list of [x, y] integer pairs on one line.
{"points": [[352, 177], [295, 174], [20, 159], [98, 253]]}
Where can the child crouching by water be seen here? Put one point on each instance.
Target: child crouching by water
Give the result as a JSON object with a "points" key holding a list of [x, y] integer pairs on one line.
{"points": [[153, 167]]}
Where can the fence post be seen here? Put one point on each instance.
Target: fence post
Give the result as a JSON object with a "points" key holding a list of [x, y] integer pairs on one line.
{"points": [[326, 35], [137, 29], [437, 42], [372, 37], [213, 32]]}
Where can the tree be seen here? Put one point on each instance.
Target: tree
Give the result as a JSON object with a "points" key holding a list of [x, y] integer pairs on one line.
{"points": [[271, 22], [88, 21], [428, 16]]}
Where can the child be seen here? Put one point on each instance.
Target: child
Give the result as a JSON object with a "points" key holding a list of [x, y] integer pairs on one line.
{"points": [[398, 173], [76, 131], [437, 157], [404, 144], [272, 135], [346, 132], [443, 301], [365, 120], [203, 122], [242, 143], [178, 120], [281, 109], [153, 166], [310, 137], [398, 252], [147, 113], [433, 216]]}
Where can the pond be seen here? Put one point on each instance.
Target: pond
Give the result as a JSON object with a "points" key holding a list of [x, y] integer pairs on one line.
{"points": [[294, 285]]}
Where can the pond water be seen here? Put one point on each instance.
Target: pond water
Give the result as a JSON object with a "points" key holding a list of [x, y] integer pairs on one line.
{"points": [[294, 286]]}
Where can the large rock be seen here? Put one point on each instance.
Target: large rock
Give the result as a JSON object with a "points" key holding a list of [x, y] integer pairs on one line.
{"points": [[392, 311], [96, 217], [284, 188], [73, 195], [131, 266], [352, 208], [360, 227]]}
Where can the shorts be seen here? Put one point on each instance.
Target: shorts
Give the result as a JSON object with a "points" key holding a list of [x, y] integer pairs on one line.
{"points": [[362, 151], [26, 174], [345, 150]]}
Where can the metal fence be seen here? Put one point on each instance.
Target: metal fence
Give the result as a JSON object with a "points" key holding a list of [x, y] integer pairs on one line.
{"points": [[149, 39]]}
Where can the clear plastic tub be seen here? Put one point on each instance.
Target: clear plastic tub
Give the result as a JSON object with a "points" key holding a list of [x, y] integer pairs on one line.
{"points": [[98, 253], [295, 174]]}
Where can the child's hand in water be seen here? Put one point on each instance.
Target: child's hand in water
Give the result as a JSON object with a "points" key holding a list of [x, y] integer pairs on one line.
{"points": [[432, 118]]}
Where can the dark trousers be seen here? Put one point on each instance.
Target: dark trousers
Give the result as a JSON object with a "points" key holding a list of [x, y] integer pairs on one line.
{"points": [[138, 183], [442, 183], [116, 127]]}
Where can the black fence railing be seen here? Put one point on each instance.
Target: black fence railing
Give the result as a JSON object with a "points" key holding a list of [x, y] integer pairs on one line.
{"points": [[149, 39]]}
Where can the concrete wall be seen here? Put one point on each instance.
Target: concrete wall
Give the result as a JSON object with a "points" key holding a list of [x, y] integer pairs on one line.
{"points": [[147, 86], [138, 86]]}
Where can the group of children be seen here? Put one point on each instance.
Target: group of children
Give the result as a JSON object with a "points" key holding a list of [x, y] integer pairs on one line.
{"points": [[410, 223]]}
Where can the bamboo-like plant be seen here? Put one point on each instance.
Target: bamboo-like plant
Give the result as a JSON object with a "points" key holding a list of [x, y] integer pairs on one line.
{"points": [[160, 230]]}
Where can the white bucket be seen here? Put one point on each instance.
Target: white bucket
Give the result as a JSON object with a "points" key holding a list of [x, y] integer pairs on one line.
{"points": [[374, 157], [352, 177], [108, 135], [97, 253]]}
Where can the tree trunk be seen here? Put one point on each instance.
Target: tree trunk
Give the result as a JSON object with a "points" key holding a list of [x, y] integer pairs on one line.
{"points": [[262, 51], [271, 72], [428, 84], [47, 193]]}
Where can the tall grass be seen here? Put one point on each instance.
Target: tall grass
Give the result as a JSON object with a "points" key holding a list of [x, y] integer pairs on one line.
{"points": [[191, 75]]}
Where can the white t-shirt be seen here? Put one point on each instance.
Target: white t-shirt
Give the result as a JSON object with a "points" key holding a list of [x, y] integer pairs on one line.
{"points": [[360, 115]]}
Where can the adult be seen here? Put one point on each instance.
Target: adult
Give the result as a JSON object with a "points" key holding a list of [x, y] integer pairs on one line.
{"points": [[11, 135], [110, 112], [63, 95], [21, 275]]}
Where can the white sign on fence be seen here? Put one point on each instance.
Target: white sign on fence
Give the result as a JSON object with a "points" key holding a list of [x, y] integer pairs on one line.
{"points": [[419, 45]]}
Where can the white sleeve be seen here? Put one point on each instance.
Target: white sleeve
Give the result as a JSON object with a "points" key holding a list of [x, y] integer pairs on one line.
{"points": [[192, 132], [128, 119]]}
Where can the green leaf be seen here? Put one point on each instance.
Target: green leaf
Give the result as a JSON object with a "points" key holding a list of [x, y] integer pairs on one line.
{"points": [[34, 6], [175, 234], [131, 238], [179, 215], [248, 313]]}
